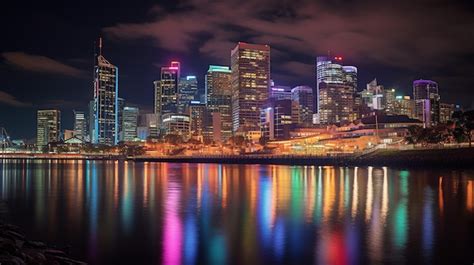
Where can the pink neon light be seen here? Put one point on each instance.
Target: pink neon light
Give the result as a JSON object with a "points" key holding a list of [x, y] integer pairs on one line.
{"points": [[173, 68], [172, 229]]}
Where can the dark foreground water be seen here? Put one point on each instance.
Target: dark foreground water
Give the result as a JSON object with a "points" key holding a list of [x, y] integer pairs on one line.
{"points": [[164, 213]]}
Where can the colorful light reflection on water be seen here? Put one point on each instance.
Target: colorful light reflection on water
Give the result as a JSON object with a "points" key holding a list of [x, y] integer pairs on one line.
{"points": [[162, 213]]}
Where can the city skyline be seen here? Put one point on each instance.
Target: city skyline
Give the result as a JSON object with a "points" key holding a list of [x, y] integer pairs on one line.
{"points": [[63, 74]]}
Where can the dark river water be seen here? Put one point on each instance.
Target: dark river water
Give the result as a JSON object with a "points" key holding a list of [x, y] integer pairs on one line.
{"points": [[165, 213]]}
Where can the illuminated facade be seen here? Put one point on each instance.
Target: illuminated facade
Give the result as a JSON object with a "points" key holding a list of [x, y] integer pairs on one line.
{"points": [[129, 123], [105, 107], [48, 127], [178, 124], [303, 100], [218, 92], [279, 92], [166, 90], [446, 112], [80, 124], [188, 91], [335, 90], [275, 119], [404, 105], [250, 64], [426, 96]]}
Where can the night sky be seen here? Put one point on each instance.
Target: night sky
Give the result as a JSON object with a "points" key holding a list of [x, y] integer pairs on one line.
{"points": [[46, 48]]}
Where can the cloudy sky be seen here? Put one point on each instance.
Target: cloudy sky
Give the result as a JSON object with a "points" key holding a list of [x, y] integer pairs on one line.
{"points": [[46, 50]]}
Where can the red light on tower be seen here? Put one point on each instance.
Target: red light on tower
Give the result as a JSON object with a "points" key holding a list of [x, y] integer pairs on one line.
{"points": [[338, 58]]}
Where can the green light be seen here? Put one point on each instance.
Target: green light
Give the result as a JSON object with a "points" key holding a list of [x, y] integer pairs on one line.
{"points": [[218, 68]]}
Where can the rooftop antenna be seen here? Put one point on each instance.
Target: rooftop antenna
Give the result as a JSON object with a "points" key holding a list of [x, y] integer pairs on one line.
{"points": [[100, 45]]}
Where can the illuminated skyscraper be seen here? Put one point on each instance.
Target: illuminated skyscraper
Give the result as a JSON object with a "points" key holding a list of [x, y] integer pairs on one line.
{"points": [[48, 127], [219, 100], [303, 101], [129, 123], [105, 122], [250, 64], [404, 105], [188, 91], [426, 96], [166, 90], [335, 89], [80, 124]]}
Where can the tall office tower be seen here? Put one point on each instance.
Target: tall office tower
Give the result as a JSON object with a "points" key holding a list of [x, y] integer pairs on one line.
{"points": [[120, 106], [129, 123], [426, 96], [275, 119], [335, 90], [303, 98], [80, 124], [219, 100], [199, 122], [166, 90], [105, 123], [389, 100], [250, 64], [446, 111], [404, 105], [90, 119], [187, 92], [48, 127]]}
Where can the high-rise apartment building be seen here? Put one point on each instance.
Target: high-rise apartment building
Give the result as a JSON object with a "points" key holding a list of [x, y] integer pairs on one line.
{"points": [[250, 64], [166, 89], [219, 100], [105, 122], [129, 123], [335, 90], [80, 124], [187, 92], [427, 100], [48, 127]]}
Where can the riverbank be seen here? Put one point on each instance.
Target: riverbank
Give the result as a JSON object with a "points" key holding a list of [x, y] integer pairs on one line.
{"points": [[15, 248], [446, 157], [456, 157]]}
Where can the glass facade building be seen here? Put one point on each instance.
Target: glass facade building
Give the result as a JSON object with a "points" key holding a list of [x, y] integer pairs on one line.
{"points": [[129, 123], [335, 91], [105, 123], [427, 102], [166, 90], [80, 124], [218, 92], [48, 127], [250, 64], [188, 91]]}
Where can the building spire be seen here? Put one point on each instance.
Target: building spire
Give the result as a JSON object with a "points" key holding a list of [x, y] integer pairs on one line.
{"points": [[100, 45]]}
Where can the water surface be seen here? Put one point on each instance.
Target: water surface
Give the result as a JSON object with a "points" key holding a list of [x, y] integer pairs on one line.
{"points": [[165, 213]]}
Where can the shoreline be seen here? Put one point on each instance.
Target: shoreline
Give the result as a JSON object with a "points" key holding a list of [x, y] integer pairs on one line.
{"points": [[455, 157]]}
